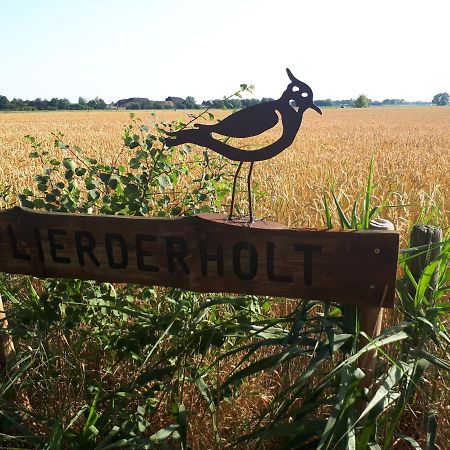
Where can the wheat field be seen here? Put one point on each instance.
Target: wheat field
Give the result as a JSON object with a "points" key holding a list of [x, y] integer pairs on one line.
{"points": [[410, 146]]}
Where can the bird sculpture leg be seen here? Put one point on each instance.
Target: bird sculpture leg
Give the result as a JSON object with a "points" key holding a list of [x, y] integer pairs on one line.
{"points": [[249, 190], [234, 190]]}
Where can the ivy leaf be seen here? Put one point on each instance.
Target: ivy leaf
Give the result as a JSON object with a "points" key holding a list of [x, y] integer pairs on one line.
{"points": [[69, 164], [61, 145], [131, 190], [90, 184], [105, 177], [93, 194], [163, 181], [113, 182], [39, 203], [26, 203], [135, 163], [80, 171]]}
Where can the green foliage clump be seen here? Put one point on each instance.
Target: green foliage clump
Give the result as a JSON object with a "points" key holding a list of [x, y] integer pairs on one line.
{"points": [[157, 181], [362, 102], [441, 99]]}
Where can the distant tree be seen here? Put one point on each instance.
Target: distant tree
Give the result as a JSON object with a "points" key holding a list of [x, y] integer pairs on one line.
{"points": [[96, 103], [441, 99], [46, 104], [100, 103], [394, 101], [82, 103], [53, 104], [39, 104], [326, 102], [236, 103], [249, 102], [216, 103], [18, 104], [146, 104], [232, 103], [4, 103], [63, 103], [343, 103], [189, 103], [133, 105], [361, 102]]}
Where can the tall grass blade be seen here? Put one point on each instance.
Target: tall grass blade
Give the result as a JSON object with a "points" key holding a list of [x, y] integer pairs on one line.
{"points": [[433, 359], [368, 197], [418, 368], [354, 218], [327, 210], [431, 430], [384, 395], [345, 223]]}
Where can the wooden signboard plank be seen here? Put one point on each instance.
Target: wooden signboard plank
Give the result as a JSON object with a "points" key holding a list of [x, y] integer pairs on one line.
{"points": [[204, 254]]}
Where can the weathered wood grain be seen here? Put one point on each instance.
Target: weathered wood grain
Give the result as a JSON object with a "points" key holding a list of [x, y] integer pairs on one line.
{"points": [[204, 254]]}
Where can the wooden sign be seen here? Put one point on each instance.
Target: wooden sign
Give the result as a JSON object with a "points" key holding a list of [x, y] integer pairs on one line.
{"points": [[204, 254]]}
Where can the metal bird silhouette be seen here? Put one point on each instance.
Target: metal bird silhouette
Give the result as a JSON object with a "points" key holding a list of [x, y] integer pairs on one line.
{"points": [[253, 121]]}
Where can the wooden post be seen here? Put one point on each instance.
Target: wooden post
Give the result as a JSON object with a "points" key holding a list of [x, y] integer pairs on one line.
{"points": [[371, 319], [7, 350], [422, 235]]}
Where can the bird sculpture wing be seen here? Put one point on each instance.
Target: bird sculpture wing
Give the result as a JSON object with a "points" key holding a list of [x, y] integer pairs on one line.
{"points": [[247, 122]]}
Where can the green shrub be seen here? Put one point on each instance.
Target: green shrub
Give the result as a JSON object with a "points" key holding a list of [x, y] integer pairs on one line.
{"points": [[157, 181]]}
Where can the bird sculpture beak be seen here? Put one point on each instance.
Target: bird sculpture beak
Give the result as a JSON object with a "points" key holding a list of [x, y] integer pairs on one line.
{"points": [[316, 108]]}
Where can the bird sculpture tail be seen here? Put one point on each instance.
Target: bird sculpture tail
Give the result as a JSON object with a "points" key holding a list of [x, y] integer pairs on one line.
{"points": [[183, 137]]}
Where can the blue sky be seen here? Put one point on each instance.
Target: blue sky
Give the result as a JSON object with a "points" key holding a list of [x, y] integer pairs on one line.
{"points": [[123, 48]]}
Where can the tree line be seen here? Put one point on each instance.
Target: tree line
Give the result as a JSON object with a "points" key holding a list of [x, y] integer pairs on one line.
{"points": [[38, 104], [189, 102], [441, 99], [363, 102]]}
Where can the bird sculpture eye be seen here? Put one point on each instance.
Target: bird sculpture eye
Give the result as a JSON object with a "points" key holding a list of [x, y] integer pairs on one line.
{"points": [[295, 89], [304, 94]]}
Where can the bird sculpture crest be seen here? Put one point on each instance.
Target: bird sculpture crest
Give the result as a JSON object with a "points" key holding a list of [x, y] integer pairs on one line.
{"points": [[249, 122]]}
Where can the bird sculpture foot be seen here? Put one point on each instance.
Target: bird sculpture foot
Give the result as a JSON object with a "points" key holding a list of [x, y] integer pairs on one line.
{"points": [[242, 220]]}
